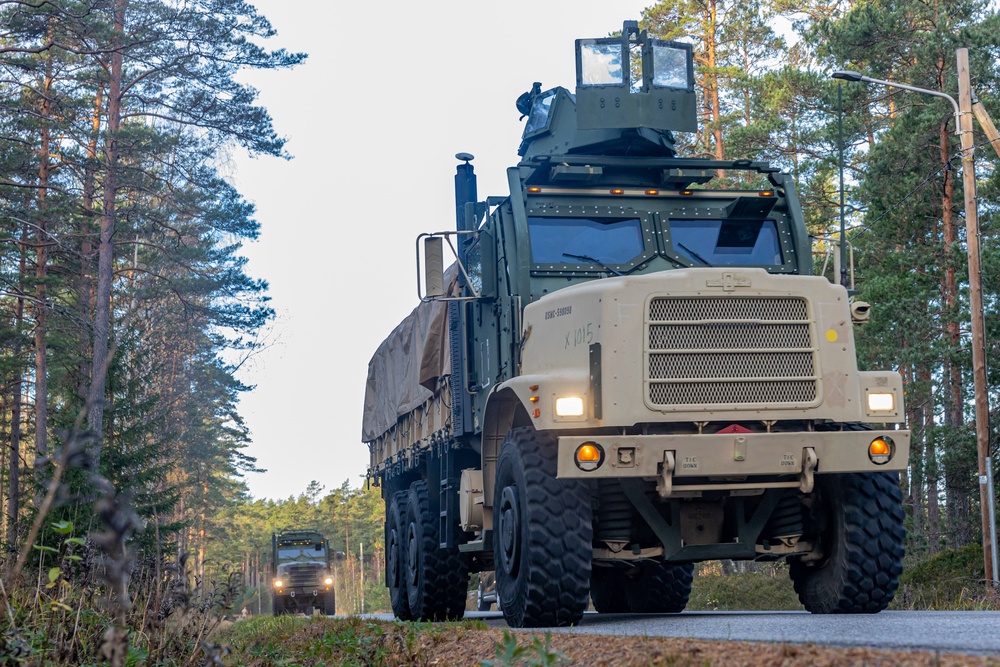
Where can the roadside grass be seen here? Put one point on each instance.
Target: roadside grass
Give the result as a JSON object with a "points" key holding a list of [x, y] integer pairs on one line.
{"points": [[348, 642], [951, 580], [761, 588]]}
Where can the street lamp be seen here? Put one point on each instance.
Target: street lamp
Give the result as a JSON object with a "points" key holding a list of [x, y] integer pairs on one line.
{"points": [[848, 75], [963, 127]]}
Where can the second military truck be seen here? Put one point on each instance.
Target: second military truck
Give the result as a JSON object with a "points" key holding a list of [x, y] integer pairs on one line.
{"points": [[629, 368], [301, 564]]}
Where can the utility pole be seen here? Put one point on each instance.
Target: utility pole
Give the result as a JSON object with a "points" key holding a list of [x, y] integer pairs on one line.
{"points": [[982, 402], [963, 126]]}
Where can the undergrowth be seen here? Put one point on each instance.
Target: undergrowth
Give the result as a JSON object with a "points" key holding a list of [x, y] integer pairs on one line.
{"points": [[347, 642]]}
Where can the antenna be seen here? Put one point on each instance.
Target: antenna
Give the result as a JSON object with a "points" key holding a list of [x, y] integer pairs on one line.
{"points": [[840, 146]]}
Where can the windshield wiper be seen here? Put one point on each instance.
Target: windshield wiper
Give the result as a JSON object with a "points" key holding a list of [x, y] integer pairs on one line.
{"points": [[587, 258], [694, 254]]}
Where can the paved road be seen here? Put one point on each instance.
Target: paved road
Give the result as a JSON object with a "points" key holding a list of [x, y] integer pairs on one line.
{"points": [[975, 632]]}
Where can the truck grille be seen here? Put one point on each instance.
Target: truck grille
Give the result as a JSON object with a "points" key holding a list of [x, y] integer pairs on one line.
{"points": [[730, 350], [304, 575]]}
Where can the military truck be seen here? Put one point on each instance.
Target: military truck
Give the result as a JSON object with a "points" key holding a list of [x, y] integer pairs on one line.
{"points": [[302, 573], [629, 368]]}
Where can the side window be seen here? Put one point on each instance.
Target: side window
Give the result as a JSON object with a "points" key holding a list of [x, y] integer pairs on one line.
{"points": [[474, 265]]}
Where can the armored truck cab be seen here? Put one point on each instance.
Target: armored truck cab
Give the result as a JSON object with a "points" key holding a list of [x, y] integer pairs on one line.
{"points": [[630, 368], [301, 564]]}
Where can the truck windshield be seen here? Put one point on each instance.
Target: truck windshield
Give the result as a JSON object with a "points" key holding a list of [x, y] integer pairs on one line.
{"points": [[564, 240], [727, 242], [297, 551]]}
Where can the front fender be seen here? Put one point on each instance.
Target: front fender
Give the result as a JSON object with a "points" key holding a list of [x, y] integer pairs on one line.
{"points": [[529, 400]]}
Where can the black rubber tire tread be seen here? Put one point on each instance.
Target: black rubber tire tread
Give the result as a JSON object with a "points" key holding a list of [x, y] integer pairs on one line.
{"points": [[395, 518], [864, 545], [277, 605], [329, 604], [607, 590], [660, 588], [437, 588], [551, 586]]}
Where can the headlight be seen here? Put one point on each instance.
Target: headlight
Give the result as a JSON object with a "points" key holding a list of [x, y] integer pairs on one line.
{"points": [[881, 402], [278, 583], [569, 406], [329, 581]]}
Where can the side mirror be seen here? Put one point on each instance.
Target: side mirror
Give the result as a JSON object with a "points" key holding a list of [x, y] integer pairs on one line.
{"points": [[434, 266], [338, 555], [860, 311]]}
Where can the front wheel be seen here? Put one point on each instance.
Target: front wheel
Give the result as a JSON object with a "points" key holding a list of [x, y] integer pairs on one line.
{"points": [[859, 522], [277, 605], [542, 535], [329, 604]]}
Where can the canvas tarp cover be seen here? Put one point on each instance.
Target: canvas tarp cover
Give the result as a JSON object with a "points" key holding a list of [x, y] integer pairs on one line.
{"points": [[407, 366]]}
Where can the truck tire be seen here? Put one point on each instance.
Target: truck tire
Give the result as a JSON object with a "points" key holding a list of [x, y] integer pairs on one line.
{"points": [[542, 535], [660, 588], [436, 579], [329, 607], [277, 605], [395, 539], [862, 540], [607, 590]]}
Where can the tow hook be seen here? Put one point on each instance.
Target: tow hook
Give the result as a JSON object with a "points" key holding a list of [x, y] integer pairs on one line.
{"points": [[665, 484], [809, 463]]}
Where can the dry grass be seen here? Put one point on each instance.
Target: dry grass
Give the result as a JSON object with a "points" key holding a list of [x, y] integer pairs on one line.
{"points": [[354, 642]]}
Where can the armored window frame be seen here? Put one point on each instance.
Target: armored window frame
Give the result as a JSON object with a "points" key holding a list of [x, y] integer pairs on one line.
{"points": [[542, 208]]}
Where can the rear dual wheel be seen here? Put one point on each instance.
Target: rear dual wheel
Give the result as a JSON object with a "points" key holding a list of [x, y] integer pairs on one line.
{"points": [[436, 579], [395, 540], [650, 588]]}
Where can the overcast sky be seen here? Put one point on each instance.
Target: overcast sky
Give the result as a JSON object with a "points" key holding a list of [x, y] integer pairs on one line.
{"points": [[391, 91]]}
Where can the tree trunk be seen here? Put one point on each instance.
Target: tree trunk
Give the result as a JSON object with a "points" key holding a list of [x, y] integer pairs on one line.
{"points": [[105, 252], [14, 481], [86, 287], [956, 491], [931, 471], [41, 270]]}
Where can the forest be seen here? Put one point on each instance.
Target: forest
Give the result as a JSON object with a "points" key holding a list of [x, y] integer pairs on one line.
{"points": [[126, 309]]}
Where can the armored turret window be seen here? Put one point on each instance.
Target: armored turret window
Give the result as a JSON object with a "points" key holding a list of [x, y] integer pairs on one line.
{"points": [[727, 242], [601, 64], [670, 66], [590, 241], [541, 109]]}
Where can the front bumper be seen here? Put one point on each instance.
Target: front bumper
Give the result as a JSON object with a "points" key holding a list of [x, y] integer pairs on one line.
{"points": [[732, 461]]}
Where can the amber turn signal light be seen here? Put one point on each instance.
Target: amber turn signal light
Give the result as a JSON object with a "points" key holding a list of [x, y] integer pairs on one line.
{"points": [[880, 450], [589, 456]]}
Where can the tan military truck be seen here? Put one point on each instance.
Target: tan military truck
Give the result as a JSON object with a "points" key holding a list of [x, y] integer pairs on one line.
{"points": [[630, 368]]}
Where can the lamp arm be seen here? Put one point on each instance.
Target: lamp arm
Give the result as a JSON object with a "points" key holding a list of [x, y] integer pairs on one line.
{"points": [[936, 93]]}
